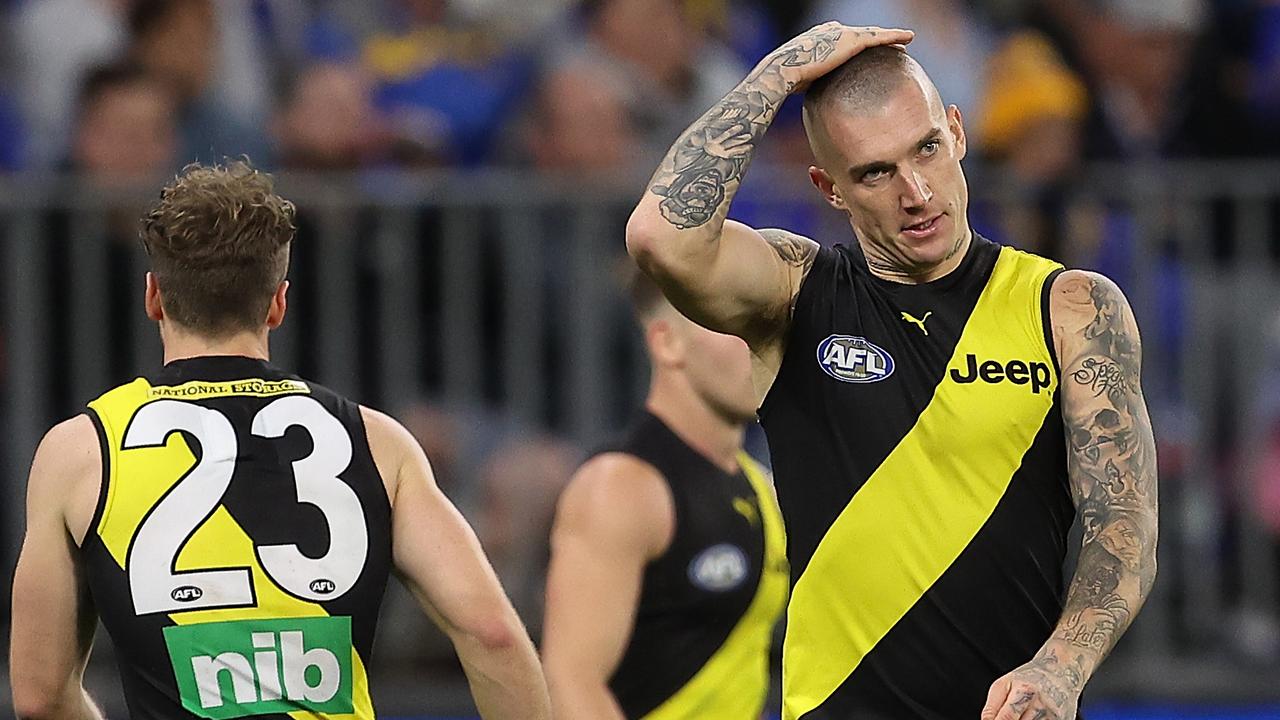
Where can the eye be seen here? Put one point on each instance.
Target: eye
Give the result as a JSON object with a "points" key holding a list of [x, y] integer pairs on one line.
{"points": [[871, 176], [930, 147]]}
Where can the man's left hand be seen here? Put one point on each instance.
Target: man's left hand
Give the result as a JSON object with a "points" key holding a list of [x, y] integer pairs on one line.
{"points": [[1043, 689]]}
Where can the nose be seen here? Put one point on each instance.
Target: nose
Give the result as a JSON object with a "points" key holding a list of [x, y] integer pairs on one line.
{"points": [[917, 192]]}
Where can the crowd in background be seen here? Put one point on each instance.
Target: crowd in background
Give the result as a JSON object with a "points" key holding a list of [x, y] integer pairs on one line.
{"points": [[129, 86], [121, 90]]}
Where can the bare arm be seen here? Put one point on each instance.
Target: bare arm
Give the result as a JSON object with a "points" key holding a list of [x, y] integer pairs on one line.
{"points": [[1111, 459], [438, 557], [53, 618], [614, 517], [723, 274]]}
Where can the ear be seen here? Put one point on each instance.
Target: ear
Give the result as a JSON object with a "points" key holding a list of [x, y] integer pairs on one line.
{"points": [[955, 121], [823, 181], [665, 346], [151, 299], [279, 303]]}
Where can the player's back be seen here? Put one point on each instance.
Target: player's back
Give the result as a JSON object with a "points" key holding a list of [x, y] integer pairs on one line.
{"points": [[241, 542]]}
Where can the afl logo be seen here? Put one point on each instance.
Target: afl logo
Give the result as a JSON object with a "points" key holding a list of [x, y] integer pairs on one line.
{"points": [[323, 586], [186, 593], [854, 359], [719, 568]]}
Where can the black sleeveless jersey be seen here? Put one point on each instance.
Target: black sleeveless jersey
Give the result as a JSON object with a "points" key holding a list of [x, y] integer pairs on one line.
{"points": [[917, 440], [241, 543], [708, 605]]}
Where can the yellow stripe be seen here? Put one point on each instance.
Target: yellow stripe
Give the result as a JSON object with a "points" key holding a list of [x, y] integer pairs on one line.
{"points": [[927, 501], [140, 477], [734, 682]]}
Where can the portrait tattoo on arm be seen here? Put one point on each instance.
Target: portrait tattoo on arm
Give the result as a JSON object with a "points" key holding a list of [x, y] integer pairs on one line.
{"points": [[703, 169], [1111, 460]]}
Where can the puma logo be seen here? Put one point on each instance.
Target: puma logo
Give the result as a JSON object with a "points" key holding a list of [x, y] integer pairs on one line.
{"points": [[920, 321], [746, 509]]}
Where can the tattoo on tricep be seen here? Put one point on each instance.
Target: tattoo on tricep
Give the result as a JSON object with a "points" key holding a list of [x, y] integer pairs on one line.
{"points": [[705, 166]]}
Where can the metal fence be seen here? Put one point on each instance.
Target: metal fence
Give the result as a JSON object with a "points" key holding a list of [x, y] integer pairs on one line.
{"points": [[500, 288]]}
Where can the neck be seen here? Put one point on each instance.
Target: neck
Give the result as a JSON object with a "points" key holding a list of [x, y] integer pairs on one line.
{"points": [[712, 434], [181, 345], [895, 270]]}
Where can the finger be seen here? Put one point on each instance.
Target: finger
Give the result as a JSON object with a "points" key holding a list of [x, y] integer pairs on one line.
{"points": [[1016, 704], [872, 35], [996, 696]]}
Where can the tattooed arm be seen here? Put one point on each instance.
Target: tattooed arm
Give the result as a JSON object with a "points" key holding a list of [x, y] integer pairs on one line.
{"points": [[721, 273], [1111, 460]]}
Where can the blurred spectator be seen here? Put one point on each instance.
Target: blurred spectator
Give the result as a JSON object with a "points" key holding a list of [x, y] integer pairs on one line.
{"points": [[125, 126], [447, 84], [952, 42], [180, 41], [327, 121], [56, 43], [1030, 122], [1154, 83], [651, 58], [1031, 115], [580, 122]]}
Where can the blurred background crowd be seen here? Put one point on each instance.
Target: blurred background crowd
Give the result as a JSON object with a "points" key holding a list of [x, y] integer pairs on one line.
{"points": [[580, 93]]}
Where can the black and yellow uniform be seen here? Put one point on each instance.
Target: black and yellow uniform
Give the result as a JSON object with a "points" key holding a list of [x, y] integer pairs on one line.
{"points": [[708, 605], [918, 446], [241, 543]]}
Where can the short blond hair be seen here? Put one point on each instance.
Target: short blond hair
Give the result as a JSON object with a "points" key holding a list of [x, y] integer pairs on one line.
{"points": [[219, 242]]}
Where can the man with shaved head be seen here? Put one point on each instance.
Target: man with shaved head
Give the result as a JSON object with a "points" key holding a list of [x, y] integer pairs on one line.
{"points": [[940, 409]]}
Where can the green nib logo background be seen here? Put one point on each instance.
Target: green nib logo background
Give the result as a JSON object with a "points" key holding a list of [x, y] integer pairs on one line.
{"points": [[252, 667]]}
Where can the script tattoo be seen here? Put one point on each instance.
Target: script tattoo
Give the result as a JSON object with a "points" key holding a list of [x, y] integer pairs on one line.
{"points": [[703, 169], [1111, 460]]}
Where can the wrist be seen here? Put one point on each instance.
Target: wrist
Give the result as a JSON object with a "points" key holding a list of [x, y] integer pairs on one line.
{"points": [[1074, 663]]}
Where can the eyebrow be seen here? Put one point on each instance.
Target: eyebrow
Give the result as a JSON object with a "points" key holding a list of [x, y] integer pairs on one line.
{"points": [[858, 171]]}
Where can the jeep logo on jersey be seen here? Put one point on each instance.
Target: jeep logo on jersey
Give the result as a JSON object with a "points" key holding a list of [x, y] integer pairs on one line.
{"points": [[252, 667], [187, 593], [719, 568], [854, 359], [1018, 372], [323, 586]]}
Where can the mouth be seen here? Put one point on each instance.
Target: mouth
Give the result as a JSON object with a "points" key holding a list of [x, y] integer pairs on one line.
{"points": [[924, 228]]}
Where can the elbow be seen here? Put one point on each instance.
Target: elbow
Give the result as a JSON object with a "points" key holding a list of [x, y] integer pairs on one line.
{"points": [[31, 704], [496, 635], [642, 240]]}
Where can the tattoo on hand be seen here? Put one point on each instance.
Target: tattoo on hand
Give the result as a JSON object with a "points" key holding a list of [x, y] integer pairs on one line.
{"points": [[705, 166]]}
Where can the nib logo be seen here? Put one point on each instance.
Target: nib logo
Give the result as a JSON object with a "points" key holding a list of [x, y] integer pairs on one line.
{"points": [[251, 667]]}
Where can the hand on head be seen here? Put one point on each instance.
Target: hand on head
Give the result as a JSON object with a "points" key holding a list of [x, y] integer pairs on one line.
{"points": [[823, 48]]}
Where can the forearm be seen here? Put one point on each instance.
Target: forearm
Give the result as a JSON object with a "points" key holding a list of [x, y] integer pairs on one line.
{"points": [[689, 195], [74, 704], [1112, 580], [506, 680], [578, 697]]}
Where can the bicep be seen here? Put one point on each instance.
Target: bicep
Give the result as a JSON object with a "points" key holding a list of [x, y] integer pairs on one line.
{"points": [[1110, 445], [606, 531]]}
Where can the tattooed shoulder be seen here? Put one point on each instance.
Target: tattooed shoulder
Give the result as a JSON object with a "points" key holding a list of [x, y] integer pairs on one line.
{"points": [[795, 250], [1092, 317]]}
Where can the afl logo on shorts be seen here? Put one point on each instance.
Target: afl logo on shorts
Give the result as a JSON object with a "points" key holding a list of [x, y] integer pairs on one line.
{"points": [[854, 359], [719, 568]]}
